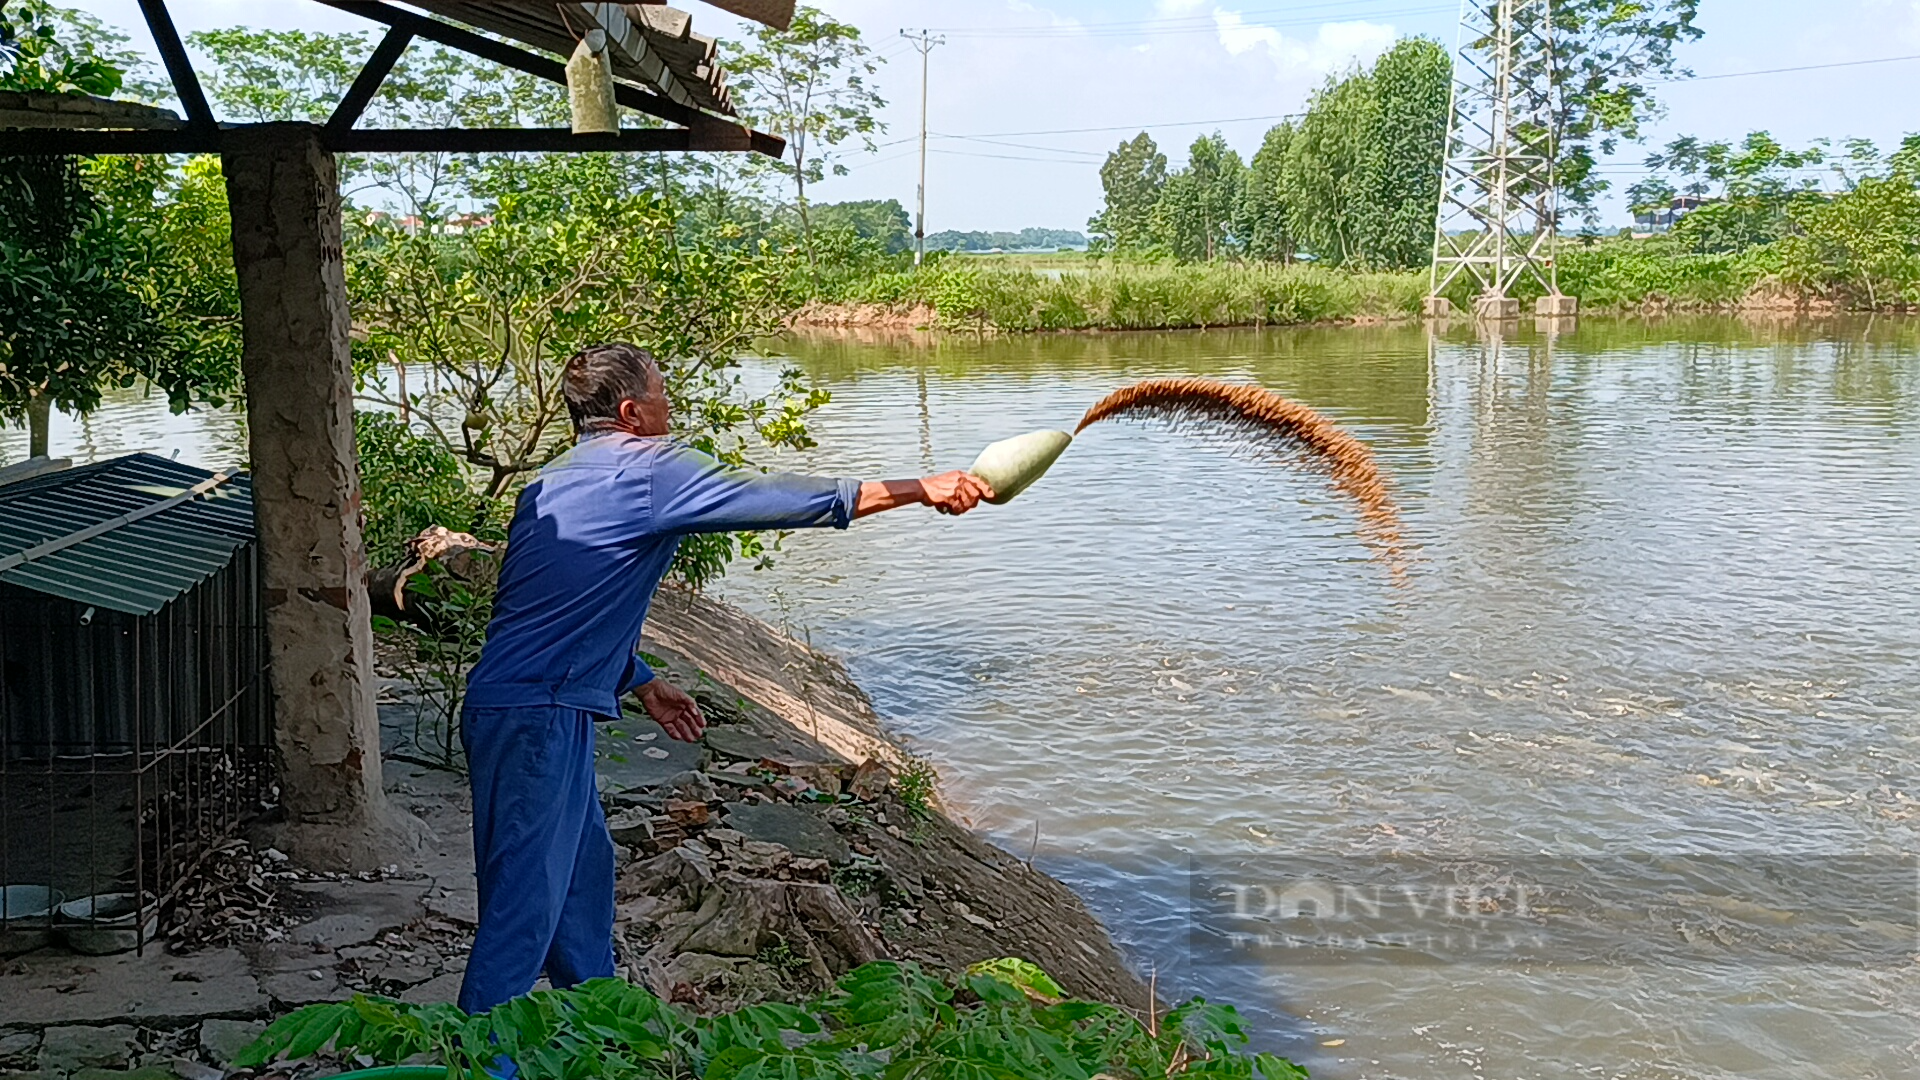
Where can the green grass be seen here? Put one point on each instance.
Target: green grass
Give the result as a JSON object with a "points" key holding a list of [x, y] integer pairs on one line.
{"points": [[971, 293]]}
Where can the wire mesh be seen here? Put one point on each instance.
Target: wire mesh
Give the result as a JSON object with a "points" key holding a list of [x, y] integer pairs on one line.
{"points": [[129, 747]]}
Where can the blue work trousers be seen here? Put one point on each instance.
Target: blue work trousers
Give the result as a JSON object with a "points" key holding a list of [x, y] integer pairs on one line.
{"points": [[541, 853]]}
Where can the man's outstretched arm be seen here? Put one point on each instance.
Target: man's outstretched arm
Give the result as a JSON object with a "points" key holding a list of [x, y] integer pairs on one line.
{"points": [[950, 493]]}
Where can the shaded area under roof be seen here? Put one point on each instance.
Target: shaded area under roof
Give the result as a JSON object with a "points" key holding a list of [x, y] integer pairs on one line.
{"points": [[138, 567]]}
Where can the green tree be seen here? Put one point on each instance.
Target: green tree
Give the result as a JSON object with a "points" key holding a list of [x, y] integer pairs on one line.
{"points": [[1863, 244], [884, 221], [1752, 188], [88, 297], [1400, 164], [1598, 87], [1324, 177], [1265, 218], [1195, 216], [810, 84], [267, 75], [1132, 178]]}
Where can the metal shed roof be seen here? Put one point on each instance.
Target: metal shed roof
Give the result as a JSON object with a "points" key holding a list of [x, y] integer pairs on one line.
{"points": [[137, 565]]}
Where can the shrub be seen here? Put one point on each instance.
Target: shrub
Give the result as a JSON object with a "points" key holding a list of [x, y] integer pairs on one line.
{"points": [[1001, 1018]]}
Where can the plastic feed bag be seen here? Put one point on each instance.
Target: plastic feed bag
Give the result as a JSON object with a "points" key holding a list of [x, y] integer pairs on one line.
{"points": [[1011, 465]]}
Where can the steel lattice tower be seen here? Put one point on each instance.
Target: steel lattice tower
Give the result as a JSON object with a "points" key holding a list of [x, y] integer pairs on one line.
{"points": [[1498, 211]]}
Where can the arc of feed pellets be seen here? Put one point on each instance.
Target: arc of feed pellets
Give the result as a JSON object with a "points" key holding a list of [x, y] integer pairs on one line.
{"points": [[1258, 419]]}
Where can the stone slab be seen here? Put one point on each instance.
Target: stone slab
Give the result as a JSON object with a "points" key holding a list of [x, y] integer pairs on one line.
{"points": [[625, 763], [806, 835], [356, 912], [109, 1046], [50, 989], [296, 988], [222, 1040], [437, 989]]}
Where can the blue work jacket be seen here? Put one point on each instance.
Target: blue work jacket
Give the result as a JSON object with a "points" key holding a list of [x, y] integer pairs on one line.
{"points": [[591, 538]]}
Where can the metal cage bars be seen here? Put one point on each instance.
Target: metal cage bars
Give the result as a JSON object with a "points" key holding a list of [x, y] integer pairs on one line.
{"points": [[130, 746]]}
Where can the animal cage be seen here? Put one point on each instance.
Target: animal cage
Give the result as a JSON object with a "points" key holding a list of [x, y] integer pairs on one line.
{"points": [[135, 713]]}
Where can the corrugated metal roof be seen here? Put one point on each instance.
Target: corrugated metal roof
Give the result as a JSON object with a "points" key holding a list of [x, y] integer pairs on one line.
{"points": [[138, 567]]}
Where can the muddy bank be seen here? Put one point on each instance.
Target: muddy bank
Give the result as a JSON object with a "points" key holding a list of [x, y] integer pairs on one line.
{"points": [[806, 842]]}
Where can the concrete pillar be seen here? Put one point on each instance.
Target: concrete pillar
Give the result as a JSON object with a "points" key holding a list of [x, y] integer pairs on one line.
{"points": [[1557, 305], [284, 195], [1436, 307], [1499, 308]]}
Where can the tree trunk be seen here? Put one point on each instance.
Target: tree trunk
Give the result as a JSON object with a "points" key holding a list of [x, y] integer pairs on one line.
{"points": [[39, 412], [283, 192]]}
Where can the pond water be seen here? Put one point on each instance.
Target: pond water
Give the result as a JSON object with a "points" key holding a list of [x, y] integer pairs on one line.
{"points": [[1621, 779]]}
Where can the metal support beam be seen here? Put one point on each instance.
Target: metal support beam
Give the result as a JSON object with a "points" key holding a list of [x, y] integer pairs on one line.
{"points": [[180, 69], [505, 55], [69, 141], [542, 67], [368, 82], [505, 141]]}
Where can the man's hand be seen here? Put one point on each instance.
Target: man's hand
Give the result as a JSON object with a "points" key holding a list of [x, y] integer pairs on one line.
{"points": [[673, 708], [950, 493], [955, 492]]}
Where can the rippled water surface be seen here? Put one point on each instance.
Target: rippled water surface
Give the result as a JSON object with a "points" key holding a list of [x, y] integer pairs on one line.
{"points": [[1643, 712], [1622, 779]]}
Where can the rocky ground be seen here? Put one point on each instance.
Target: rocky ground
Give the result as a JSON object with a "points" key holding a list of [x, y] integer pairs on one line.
{"points": [[794, 842]]}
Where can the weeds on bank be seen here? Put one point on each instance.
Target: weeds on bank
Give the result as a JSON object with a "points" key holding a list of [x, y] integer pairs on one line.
{"points": [[915, 787], [1001, 1019], [1145, 297]]}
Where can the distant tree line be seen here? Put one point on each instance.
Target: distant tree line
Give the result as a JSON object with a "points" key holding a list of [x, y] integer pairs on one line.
{"points": [[1353, 182], [1029, 239]]}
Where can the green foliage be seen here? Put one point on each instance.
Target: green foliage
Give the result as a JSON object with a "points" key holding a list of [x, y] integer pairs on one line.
{"points": [[60, 50], [1028, 239], [1123, 296], [1265, 220], [1001, 1020], [811, 84], [1195, 216], [1400, 166], [881, 221], [916, 786], [407, 483], [1355, 181], [1861, 247], [438, 651], [1608, 55], [1132, 177]]}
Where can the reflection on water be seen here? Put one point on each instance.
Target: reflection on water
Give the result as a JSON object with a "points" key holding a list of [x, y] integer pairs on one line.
{"points": [[1624, 780]]}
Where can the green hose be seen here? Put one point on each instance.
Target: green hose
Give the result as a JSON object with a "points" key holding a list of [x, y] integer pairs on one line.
{"points": [[396, 1072]]}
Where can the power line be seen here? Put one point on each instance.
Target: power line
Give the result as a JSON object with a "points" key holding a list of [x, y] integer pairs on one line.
{"points": [[1785, 70], [1011, 157], [1129, 127], [1189, 24]]}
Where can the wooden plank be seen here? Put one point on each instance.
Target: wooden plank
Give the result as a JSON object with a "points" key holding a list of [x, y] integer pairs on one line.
{"points": [[775, 13]]}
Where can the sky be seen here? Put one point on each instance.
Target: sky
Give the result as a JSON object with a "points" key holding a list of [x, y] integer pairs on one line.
{"points": [[1017, 85]]}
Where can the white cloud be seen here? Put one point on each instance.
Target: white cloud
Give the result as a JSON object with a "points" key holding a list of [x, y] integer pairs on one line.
{"points": [[1335, 46]]}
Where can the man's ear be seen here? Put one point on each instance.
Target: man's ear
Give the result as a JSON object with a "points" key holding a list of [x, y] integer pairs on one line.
{"points": [[630, 414]]}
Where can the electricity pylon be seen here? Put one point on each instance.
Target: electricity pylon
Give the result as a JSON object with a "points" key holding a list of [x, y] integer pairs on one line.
{"points": [[1498, 212]]}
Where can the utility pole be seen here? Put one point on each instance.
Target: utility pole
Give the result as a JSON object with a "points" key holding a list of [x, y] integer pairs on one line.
{"points": [[924, 42], [1498, 215]]}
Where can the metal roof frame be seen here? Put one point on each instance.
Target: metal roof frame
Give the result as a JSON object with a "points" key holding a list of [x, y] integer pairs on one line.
{"points": [[686, 88]]}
